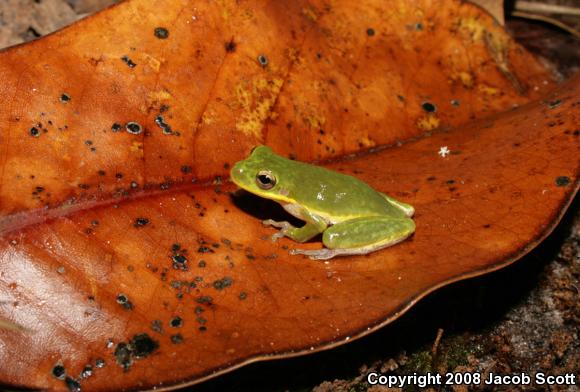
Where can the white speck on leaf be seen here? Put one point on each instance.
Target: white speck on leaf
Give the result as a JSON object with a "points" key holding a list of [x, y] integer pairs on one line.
{"points": [[444, 151]]}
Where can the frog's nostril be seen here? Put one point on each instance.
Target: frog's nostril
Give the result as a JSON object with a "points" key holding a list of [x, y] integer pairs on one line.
{"points": [[236, 170]]}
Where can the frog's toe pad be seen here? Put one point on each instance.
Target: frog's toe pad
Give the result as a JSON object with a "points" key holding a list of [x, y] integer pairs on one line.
{"points": [[276, 236]]}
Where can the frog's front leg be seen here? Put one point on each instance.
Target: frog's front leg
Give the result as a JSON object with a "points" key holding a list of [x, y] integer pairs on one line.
{"points": [[314, 225], [360, 236]]}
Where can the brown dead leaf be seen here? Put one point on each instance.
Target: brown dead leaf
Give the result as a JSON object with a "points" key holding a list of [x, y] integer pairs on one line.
{"points": [[494, 7], [35, 19], [119, 264], [90, 6]]}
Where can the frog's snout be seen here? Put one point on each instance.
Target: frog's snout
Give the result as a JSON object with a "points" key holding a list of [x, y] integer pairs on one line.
{"points": [[236, 172]]}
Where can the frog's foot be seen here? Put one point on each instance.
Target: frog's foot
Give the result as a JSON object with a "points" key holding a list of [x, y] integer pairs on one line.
{"points": [[317, 254], [284, 226], [280, 225], [326, 253]]}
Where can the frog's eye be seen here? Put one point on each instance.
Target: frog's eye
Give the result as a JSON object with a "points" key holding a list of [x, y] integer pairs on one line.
{"points": [[265, 179]]}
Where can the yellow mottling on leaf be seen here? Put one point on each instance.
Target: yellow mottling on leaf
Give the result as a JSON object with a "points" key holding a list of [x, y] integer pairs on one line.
{"points": [[227, 8], [403, 10], [160, 95], [463, 77], [256, 98], [488, 90], [466, 79], [428, 122], [208, 117], [152, 62], [471, 27], [154, 98], [61, 142], [310, 13], [314, 120], [366, 142], [318, 85], [293, 54], [136, 147]]}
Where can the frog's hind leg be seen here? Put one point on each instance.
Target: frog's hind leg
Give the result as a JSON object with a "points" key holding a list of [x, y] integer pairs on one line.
{"points": [[408, 209], [360, 236]]}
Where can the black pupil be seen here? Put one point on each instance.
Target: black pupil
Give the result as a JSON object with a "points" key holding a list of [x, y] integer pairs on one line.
{"points": [[264, 179]]}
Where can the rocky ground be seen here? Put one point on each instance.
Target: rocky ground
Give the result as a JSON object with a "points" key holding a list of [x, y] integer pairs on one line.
{"points": [[524, 318]]}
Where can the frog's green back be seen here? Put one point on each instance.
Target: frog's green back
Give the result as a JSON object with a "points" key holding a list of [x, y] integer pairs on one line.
{"points": [[330, 194]]}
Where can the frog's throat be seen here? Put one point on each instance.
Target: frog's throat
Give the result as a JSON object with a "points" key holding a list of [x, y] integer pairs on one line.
{"points": [[295, 210]]}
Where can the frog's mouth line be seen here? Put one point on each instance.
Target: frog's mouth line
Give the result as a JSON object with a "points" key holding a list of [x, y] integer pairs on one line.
{"points": [[262, 208]]}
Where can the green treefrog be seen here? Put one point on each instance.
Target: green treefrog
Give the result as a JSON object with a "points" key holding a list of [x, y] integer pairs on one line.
{"points": [[354, 219]]}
